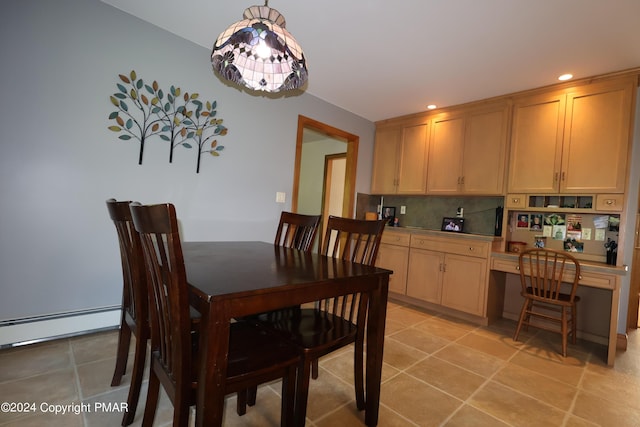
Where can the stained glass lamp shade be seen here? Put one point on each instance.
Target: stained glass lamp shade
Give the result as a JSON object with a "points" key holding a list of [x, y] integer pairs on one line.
{"points": [[259, 53]]}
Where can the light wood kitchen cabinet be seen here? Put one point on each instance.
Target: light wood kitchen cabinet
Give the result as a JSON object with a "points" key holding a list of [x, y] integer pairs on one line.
{"points": [[400, 159], [574, 140], [449, 272], [467, 151], [424, 277], [393, 254]]}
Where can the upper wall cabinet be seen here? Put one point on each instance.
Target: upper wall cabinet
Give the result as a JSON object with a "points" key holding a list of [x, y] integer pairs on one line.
{"points": [[467, 151], [572, 141], [400, 159]]}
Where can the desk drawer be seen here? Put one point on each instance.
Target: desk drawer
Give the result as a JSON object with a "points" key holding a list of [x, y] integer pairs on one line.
{"points": [[587, 278], [610, 202], [460, 247]]}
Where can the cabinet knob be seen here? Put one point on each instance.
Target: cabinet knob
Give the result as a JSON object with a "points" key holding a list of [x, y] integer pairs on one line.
{"points": [[515, 200], [609, 202], [517, 267], [471, 248]]}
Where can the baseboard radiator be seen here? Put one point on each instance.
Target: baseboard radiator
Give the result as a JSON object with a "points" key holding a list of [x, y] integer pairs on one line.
{"points": [[28, 330]]}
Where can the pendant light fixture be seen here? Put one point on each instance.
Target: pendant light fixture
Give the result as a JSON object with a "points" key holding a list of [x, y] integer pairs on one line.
{"points": [[259, 53]]}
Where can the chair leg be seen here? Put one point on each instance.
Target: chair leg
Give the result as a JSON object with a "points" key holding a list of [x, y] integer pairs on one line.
{"points": [[241, 406], [574, 320], [314, 369], [152, 400], [523, 313], [252, 395], [122, 355], [288, 398], [358, 373], [565, 331], [181, 411], [136, 378], [302, 392]]}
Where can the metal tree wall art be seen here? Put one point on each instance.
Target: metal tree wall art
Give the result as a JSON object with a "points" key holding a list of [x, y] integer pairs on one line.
{"points": [[143, 112]]}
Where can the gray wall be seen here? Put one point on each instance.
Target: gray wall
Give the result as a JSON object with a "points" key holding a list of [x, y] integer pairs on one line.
{"points": [[59, 162]]}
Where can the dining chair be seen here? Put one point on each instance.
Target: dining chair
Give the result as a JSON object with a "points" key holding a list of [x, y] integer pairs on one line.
{"points": [[255, 356], [542, 274], [336, 322], [134, 318], [297, 230]]}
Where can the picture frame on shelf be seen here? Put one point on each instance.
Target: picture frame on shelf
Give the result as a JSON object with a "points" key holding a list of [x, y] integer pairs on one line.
{"points": [[389, 213], [455, 225]]}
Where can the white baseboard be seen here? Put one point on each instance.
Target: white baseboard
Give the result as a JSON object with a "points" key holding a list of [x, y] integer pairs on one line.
{"points": [[35, 329]]}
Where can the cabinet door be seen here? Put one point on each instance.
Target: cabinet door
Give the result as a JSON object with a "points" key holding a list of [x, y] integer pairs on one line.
{"points": [[394, 258], [464, 283], [445, 155], [412, 173], [536, 144], [484, 155], [385, 160], [424, 278], [596, 139]]}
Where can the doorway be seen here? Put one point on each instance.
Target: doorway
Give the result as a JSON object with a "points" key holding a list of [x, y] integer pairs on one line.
{"points": [[329, 136], [333, 188]]}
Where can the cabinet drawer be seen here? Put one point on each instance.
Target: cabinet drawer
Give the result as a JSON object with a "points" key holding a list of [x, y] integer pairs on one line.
{"points": [[609, 202], [460, 247], [399, 239], [517, 201]]}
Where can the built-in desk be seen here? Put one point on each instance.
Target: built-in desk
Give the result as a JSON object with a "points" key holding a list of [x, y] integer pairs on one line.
{"points": [[591, 274]]}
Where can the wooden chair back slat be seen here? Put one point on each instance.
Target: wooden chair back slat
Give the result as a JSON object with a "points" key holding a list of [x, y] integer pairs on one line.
{"points": [[297, 230]]}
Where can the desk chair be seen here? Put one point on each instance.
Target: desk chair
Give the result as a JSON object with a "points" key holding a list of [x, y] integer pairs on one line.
{"points": [[254, 357], [542, 272], [335, 323], [134, 318]]}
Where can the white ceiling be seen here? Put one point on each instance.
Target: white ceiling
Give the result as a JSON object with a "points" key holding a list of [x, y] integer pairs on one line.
{"points": [[381, 59]]}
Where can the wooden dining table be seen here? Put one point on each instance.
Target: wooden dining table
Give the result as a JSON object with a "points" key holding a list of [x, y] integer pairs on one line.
{"points": [[234, 279]]}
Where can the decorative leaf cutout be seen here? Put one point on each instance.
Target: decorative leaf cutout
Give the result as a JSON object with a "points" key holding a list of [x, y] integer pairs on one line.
{"points": [[115, 128], [124, 78], [113, 115], [124, 137], [186, 145], [133, 75]]}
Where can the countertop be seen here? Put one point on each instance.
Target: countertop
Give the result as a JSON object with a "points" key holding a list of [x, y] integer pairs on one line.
{"points": [[510, 256]]}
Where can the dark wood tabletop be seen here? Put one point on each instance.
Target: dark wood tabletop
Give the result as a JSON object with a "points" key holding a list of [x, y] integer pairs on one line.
{"points": [[233, 279]]}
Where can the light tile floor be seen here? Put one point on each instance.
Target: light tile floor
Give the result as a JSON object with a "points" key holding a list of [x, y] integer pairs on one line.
{"points": [[437, 372]]}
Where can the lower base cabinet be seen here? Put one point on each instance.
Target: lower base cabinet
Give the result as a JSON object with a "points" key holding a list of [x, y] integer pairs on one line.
{"points": [[393, 255], [441, 270], [453, 281]]}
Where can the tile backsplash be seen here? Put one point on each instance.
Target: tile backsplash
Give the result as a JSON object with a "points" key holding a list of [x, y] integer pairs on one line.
{"points": [[427, 211]]}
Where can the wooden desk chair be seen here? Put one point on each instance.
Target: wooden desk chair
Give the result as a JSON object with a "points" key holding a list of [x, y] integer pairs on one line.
{"points": [[134, 318], [254, 357], [333, 323], [542, 272], [297, 231]]}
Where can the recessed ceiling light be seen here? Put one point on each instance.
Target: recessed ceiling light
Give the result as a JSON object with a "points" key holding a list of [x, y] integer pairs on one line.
{"points": [[432, 106], [565, 77]]}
